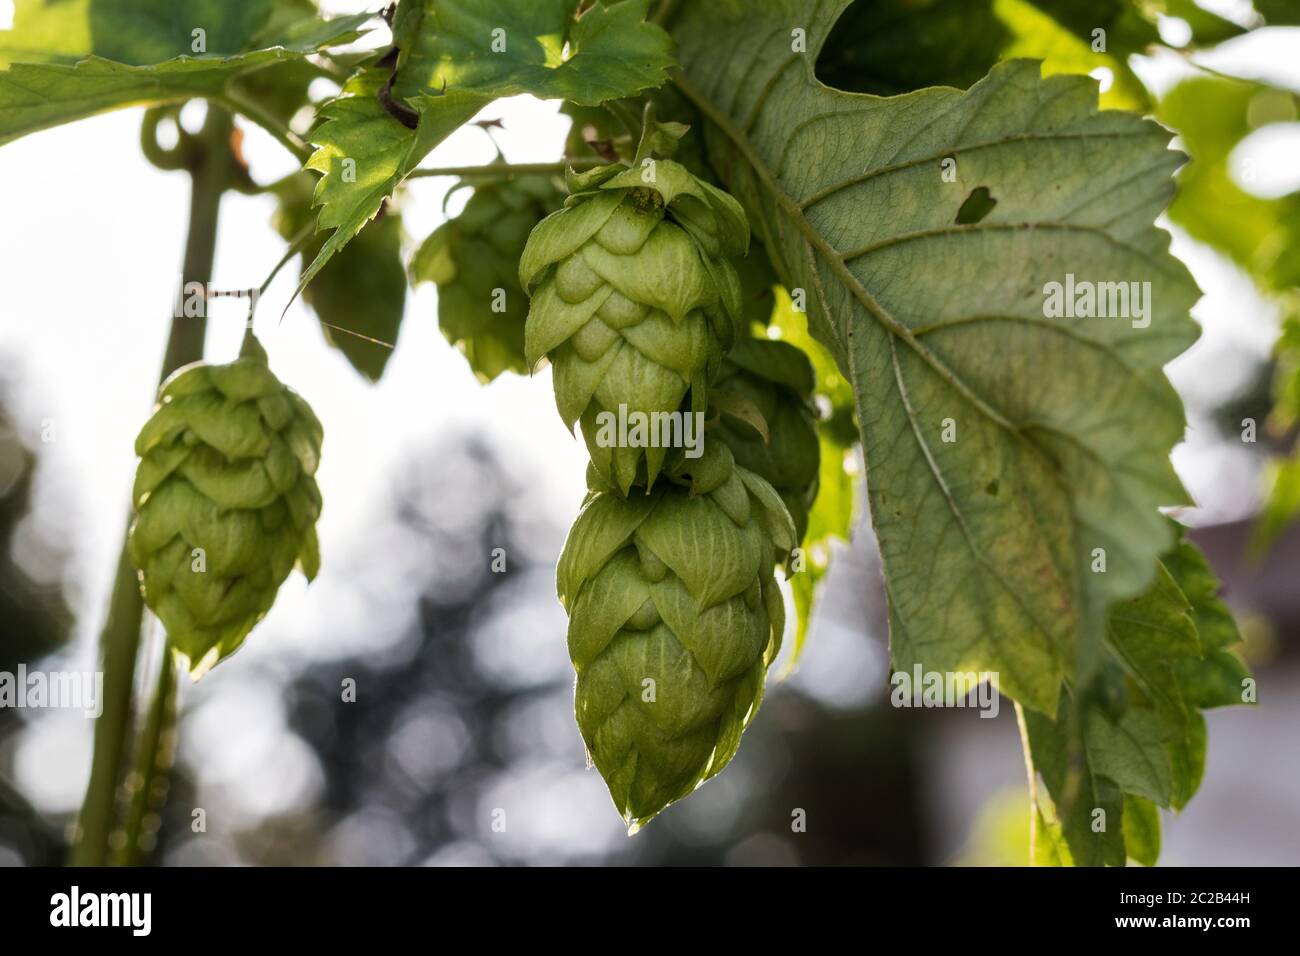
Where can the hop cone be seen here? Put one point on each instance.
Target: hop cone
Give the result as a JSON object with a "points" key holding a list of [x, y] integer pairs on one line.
{"points": [[776, 380], [633, 300], [674, 617], [226, 502], [473, 255]]}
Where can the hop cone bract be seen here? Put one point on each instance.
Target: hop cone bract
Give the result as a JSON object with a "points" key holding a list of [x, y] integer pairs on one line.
{"points": [[633, 300], [226, 502], [474, 255], [674, 617], [775, 379]]}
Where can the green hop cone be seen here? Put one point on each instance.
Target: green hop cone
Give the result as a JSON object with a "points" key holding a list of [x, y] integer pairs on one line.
{"points": [[674, 618], [476, 254], [633, 301], [774, 381], [226, 502]]}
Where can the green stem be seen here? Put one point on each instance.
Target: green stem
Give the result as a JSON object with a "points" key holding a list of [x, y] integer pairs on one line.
{"points": [[210, 173], [1033, 784], [506, 170], [664, 15], [155, 751], [296, 245], [254, 111], [337, 69], [645, 144], [628, 118], [120, 641]]}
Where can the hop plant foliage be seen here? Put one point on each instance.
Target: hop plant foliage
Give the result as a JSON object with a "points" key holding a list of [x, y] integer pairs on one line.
{"points": [[474, 259], [226, 502], [775, 381], [1007, 451], [674, 618], [360, 294], [633, 300]]}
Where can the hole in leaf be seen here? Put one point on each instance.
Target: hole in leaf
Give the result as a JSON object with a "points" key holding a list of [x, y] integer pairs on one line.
{"points": [[991, 488], [977, 205], [888, 47]]}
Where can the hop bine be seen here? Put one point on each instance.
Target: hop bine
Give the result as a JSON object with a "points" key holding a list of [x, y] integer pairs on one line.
{"points": [[634, 301], [226, 502], [674, 618]]}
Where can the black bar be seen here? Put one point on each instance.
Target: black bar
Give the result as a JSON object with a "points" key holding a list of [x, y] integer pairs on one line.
{"points": [[479, 907]]}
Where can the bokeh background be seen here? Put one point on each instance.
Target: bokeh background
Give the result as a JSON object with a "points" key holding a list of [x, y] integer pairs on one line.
{"points": [[464, 689]]}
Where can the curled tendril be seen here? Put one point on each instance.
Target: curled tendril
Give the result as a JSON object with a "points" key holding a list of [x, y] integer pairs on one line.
{"points": [[181, 156], [189, 150]]}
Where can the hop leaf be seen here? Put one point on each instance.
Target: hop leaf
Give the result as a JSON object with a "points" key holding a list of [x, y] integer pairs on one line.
{"points": [[360, 294], [1135, 739], [226, 502], [994, 476], [504, 47], [633, 300], [674, 618], [67, 61], [474, 259]]}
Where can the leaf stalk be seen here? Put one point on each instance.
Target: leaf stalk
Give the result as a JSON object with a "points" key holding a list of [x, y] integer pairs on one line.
{"points": [[507, 170]]}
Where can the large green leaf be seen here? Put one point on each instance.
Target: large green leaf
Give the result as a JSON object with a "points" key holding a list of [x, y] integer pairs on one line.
{"points": [[69, 59], [360, 296], [506, 47], [1062, 428], [1095, 764], [1150, 634], [1088, 808], [1216, 676], [1139, 732], [132, 32], [364, 153]]}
